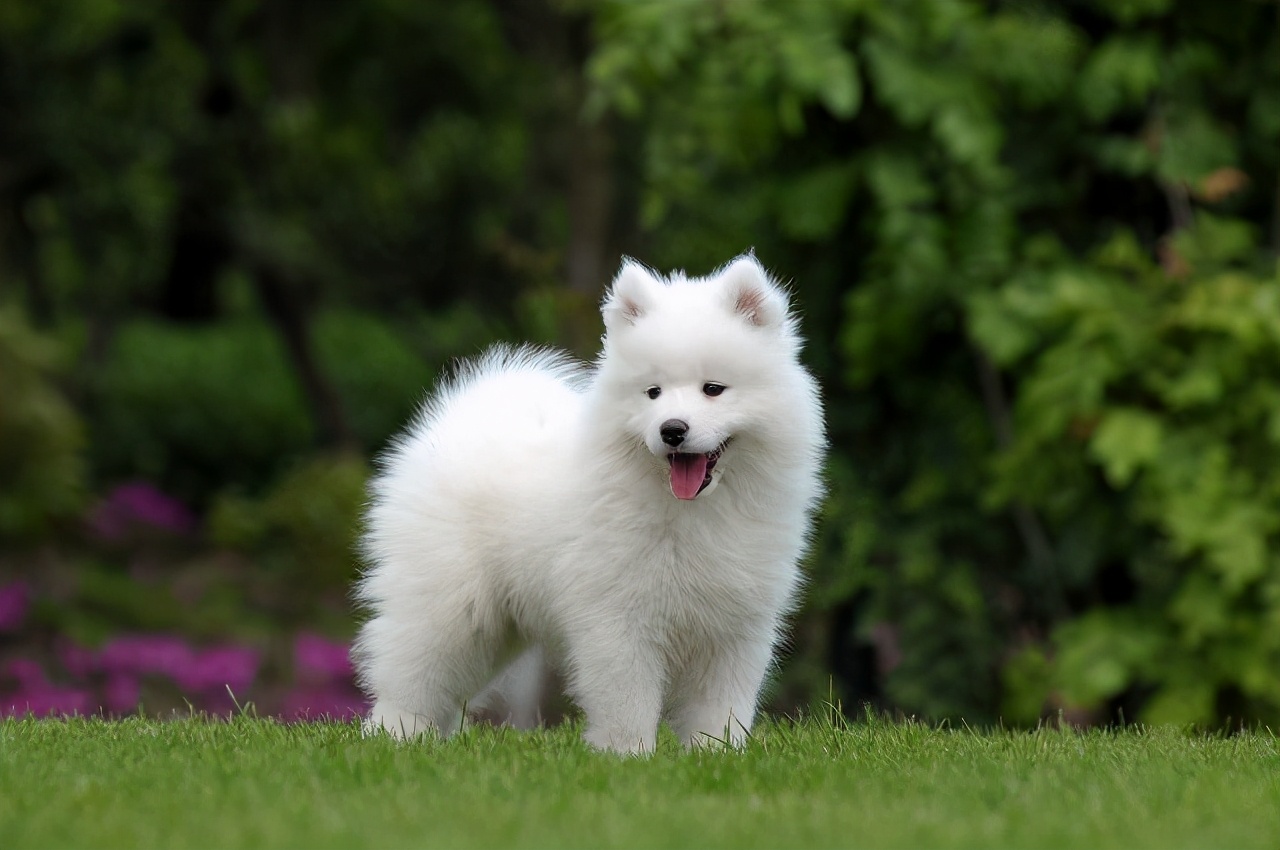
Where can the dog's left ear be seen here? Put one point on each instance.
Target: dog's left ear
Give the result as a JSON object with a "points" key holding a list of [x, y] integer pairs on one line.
{"points": [[752, 294]]}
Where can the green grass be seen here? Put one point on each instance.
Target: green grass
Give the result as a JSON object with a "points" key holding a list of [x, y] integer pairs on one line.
{"points": [[254, 783]]}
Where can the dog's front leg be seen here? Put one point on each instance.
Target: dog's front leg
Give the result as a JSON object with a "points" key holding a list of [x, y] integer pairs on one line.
{"points": [[715, 700], [617, 682]]}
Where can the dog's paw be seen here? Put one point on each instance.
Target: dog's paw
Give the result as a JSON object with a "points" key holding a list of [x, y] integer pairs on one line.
{"points": [[401, 725], [620, 742]]}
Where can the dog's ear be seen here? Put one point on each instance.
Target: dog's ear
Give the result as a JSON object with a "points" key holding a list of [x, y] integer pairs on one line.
{"points": [[752, 294], [630, 295]]}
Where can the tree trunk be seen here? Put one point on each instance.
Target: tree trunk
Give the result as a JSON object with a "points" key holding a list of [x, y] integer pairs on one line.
{"points": [[291, 322], [590, 207]]}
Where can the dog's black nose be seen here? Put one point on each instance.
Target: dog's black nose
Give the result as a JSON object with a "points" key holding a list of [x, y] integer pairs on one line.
{"points": [[673, 431]]}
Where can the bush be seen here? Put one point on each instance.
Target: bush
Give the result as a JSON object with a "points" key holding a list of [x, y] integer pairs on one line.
{"points": [[1027, 241], [41, 437], [195, 409], [382, 372], [302, 532], [190, 408], [1152, 397]]}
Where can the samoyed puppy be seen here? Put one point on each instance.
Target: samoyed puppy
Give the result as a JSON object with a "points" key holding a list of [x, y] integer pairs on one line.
{"points": [[635, 527]]}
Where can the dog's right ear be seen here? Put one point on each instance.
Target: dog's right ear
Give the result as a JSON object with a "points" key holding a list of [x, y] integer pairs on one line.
{"points": [[629, 296]]}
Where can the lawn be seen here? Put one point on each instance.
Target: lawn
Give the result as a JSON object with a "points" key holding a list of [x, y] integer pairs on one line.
{"points": [[257, 783]]}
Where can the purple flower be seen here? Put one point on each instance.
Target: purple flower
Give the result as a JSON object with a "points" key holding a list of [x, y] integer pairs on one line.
{"points": [[219, 703], [79, 661], [43, 701], [317, 659], [27, 673], [15, 602], [147, 654], [316, 703], [121, 694], [217, 669], [139, 506]]}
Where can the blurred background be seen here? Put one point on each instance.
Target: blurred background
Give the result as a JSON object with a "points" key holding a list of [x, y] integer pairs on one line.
{"points": [[1035, 246]]}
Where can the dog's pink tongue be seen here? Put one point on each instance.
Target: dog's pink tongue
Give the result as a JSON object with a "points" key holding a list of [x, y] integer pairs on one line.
{"points": [[687, 474]]}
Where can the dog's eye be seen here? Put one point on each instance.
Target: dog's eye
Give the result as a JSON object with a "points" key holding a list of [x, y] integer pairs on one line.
{"points": [[713, 389], [653, 392]]}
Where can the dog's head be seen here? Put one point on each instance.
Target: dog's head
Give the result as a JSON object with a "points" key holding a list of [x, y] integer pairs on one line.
{"points": [[693, 366]]}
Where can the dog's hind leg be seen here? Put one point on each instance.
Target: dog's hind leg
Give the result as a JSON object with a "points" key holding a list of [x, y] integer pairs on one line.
{"points": [[517, 694], [420, 675]]}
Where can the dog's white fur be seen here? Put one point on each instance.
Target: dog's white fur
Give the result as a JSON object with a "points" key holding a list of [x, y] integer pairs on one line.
{"points": [[530, 509]]}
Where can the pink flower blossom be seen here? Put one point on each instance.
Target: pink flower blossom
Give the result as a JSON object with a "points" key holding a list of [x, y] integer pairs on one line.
{"points": [[79, 661], [15, 602], [44, 701], [147, 654], [26, 672], [217, 669], [121, 694], [139, 506], [221, 703], [318, 659]]}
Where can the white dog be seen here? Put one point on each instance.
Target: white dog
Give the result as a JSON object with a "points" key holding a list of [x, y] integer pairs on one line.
{"points": [[636, 527]]}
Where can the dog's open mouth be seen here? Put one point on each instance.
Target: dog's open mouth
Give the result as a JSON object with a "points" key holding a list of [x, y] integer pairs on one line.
{"points": [[691, 473]]}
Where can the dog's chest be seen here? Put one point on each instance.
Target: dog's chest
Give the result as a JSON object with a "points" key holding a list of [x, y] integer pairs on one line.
{"points": [[703, 580], [689, 569]]}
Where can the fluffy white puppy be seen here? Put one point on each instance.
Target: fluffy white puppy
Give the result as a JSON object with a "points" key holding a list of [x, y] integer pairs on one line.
{"points": [[636, 526]]}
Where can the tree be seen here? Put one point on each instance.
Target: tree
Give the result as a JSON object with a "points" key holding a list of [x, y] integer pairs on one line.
{"points": [[376, 154], [1009, 225]]}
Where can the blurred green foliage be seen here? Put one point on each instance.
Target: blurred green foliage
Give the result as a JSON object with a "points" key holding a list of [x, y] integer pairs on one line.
{"points": [[41, 436], [196, 408], [1034, 245], [304, 529], [190, 408], [382, 370], [1152, 399], [365, 151], [1030, 241]]}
